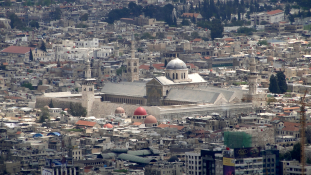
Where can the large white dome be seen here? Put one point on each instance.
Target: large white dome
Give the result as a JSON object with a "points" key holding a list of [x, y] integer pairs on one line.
{"points": [[176, 63]]}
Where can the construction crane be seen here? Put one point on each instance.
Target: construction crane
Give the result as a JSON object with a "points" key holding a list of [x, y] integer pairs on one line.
{"points": [[302, 112]]}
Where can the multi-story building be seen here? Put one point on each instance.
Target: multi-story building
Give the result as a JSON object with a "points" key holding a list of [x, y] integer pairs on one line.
{"points": [[270, 17], [293, 167], [270, 161], [193, 163], [209, 162]]}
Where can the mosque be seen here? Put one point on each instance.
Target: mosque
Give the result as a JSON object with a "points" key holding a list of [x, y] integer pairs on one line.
{"points": [[177, 87], [174, 95]]}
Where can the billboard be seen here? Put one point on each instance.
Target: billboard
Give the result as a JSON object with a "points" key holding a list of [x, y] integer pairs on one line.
{"points": [[246, 152], [228, 166]]}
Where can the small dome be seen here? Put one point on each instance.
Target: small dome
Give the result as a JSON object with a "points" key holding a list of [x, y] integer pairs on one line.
{"points": [[108, 125], [150, 119], [119, 110], [140, 111], [176, 64]]}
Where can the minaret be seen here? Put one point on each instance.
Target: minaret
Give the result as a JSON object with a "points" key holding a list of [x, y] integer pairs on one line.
{"points": [[132, 64], [252, 78], [88, 88]]}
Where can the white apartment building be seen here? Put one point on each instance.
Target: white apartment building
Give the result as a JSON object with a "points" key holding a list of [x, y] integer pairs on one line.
{"points": [[294, 167], [193, 163], [94, 43], [270, 17]]}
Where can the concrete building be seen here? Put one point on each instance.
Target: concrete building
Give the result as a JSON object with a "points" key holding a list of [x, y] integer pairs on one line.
{"points": [[193, 163], [270, 17]]}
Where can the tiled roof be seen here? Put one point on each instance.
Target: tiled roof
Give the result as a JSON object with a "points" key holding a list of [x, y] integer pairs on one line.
{"points": [[137, 123], [197, 40], [146, 67], [85, 123], [170, 126], [290, 126], [159, 66], [17, 49], [274, 12], [188, 15]]}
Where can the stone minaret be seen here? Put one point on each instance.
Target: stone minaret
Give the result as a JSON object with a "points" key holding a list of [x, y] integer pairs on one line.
{"points": [[252, 78], [132, 65], [88, 89]]}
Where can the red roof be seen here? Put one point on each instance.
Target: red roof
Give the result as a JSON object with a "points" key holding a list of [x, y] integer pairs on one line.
{"points": [[197, 40], [140, 111], [146, 67], [170, 126], [17, 49], [85, 123], [274, 12], [137, 123], [159, 66], [188, 15], [290, 126], [18, 132], [228, 39]]}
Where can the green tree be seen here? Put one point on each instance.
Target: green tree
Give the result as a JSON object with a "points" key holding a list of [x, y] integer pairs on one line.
{"points": [[51, 104], [58, 63], [45, 114], [77, 110], [7, 3], [28, 85], [42, 47], [287, 9], [81, 25], [264, 23], [185, 22], [15, 21], [34, 24], [30, 55], [160, 35], [282, 82], [246, 30], [217, 29], [84, 17], [291, 18], [56, 14], [295, 153], [262, 42], [274, 87], [195, 35]]}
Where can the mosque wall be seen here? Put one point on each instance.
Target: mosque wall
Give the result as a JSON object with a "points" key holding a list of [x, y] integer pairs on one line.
{"points": [[101, 109], [57, 102]]}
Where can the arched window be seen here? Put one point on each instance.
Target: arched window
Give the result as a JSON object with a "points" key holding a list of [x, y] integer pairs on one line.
{"points": [[181, 75], [129, 70], [166, 92], [135, 70], [129, 64], [173, 76], [184, 75], [176, 75], [135, 64]]}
